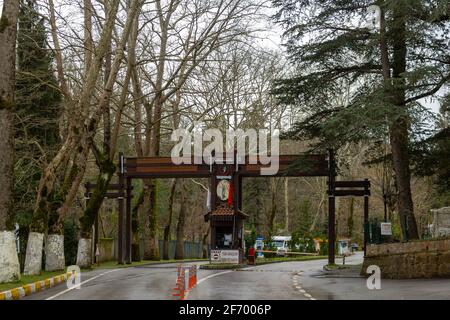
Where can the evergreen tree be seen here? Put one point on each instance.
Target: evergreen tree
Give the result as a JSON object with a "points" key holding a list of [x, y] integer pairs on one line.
{"points": [[37, 109], [432, 157], [357, 83]]}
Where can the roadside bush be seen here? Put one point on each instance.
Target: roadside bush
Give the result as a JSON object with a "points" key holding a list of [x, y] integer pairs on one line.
{"points": [[70, 242]]}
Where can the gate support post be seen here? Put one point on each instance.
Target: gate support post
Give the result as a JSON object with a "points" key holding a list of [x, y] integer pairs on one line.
{"points": [[366, 217], [331, 229], [128, 231], [331, 208], [120, 255]]}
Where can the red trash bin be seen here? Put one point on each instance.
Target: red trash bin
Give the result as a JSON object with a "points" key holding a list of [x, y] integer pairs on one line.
{"points": [[251, 256]]}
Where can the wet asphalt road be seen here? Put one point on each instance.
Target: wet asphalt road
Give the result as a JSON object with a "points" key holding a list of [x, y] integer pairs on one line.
{"points": [[279, 281], [153, 282], [291, 281]]}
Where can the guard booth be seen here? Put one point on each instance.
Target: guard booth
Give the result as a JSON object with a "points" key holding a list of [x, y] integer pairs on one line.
{"points": [[227, 225], [226, 218]]}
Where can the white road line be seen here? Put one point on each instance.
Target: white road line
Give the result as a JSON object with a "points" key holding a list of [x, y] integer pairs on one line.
{"points": [[212, 276], [300, 289], [81, 284]]}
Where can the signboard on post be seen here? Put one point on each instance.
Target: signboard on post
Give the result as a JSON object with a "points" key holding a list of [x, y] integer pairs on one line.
{"points": [[225, 256], [386, 229]]}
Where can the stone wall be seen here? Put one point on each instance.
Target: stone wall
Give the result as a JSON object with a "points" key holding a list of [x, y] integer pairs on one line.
{"points": [[411, 260]]}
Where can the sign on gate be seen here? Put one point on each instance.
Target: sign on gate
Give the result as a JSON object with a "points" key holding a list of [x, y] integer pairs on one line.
{"points": [[225, 256], [386, 229]]}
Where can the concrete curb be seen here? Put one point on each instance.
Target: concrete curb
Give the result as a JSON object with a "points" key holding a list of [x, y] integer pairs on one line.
{"points": [[28, 289]]}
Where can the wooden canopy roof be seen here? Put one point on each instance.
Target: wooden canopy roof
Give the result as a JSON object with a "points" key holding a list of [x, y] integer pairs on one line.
{"points": [[224, 213]]}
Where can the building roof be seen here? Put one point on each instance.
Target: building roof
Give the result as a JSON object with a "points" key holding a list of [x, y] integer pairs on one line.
{"points": [[225, 211]]}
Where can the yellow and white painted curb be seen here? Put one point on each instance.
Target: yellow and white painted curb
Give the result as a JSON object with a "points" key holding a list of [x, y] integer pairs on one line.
{"points": [[28, 289]]}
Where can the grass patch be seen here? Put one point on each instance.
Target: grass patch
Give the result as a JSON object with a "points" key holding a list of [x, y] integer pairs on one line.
{"points": [[331, 267], [24, 280], [115, 265], [222, 266], [262, 261]]}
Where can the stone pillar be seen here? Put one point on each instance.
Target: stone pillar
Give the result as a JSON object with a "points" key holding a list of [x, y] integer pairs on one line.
{"points": [[33, 259], [9, 261], [84, 253], [54, 253]]}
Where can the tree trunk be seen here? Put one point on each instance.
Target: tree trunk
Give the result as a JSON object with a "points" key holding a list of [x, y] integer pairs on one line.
{"points": [[8, 33], [179, 248], [169, 222], [350, 221], [273, 207], [107, 170], [135, 218], [399, 143], [399, 128], [88, 41], [286, 204], [205, 243], [9, 262], [151, 232]]}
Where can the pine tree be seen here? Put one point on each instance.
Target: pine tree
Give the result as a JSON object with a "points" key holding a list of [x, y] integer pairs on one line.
{"points": [[432, 157], [357, 83], [37, 108]]}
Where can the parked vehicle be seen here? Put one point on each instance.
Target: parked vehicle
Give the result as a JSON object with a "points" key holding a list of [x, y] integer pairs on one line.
{"points": [[281, 243]]}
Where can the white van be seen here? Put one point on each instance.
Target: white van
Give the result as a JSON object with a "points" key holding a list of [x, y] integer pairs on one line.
{"points": [[282, 244]]}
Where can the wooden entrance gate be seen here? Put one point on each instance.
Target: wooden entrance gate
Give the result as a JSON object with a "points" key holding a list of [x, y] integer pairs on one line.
{"points": [[232, 171]]}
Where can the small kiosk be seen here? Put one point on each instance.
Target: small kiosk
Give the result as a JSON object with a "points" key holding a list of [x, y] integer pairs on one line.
{"points": [[226, 218]]}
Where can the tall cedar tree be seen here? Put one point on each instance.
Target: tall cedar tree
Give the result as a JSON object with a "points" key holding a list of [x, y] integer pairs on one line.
{"points": [[433, 156], [383, 75], [37, 109]]}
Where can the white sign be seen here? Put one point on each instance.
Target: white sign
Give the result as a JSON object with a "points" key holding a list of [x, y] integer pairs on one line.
{"points": [[225, 256], [386, 229]]}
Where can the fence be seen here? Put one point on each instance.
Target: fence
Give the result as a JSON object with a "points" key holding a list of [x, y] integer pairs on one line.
{"points": [[192, 250], [373, 231]]}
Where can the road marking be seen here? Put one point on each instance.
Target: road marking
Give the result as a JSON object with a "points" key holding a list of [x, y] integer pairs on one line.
{"points": [[204, 279], [82, 283], [212, 276], [299, 288]]}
